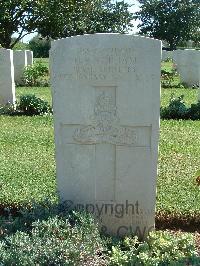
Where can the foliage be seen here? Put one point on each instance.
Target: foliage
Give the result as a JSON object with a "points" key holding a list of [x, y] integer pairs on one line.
{"points": [[168, 59], [17, 16], [178, 110], [172, 20], [20, 45], [63, 18], [71, 239], [161, 248], [7, 109], [194, 111], [40, 46], [34, 75], [40, 92], [167, 77], [47, 234], [29, 104]]}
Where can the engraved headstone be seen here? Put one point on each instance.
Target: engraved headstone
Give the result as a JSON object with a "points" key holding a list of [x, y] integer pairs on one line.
{"points": [[20, 62], [106, 100], [7, 85], [29, 55], [188, 64]]}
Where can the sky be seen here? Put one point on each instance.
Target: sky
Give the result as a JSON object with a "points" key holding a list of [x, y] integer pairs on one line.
{"points": [[133, 9]]}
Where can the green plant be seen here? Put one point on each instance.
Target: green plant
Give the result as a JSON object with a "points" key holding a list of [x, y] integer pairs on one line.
{"points": [[7, 109], [168, 59], [70, 239], [29, 104], [176, 109], [47, 234], [161, 248], [168, 76], [194, 111], [36, 75], [40, 46]]}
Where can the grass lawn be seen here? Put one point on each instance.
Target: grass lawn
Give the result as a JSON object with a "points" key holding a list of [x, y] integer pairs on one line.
{"points": [[45, 61], [28, 173], [27, 165], [41, 92]]}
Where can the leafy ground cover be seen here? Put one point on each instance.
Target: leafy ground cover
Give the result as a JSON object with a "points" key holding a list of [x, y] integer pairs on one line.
{"points": [[48, 235]]}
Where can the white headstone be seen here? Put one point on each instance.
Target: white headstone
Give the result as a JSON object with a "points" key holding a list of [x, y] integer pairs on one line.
{"points": [[106, 98], [7, 85], [188, 63], [29, 55], [20, 62]]}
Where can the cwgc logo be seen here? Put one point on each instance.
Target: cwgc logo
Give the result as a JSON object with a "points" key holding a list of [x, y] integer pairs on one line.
{"points": [[105, 128]]}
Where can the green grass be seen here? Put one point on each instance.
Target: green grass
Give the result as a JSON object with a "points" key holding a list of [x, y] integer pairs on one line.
{"points": [[167, 66], [27, 166], [45, 61], [190, 95], [41, 92], [178, 162]]}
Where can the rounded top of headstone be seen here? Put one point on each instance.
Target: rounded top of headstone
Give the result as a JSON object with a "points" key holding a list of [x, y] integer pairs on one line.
{"points": [[112, 39]]}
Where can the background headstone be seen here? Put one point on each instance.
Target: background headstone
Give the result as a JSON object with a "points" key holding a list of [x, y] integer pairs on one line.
{"points": [[29, 55], [106, 101], [7, 85], [20, 62], [188, 63]]}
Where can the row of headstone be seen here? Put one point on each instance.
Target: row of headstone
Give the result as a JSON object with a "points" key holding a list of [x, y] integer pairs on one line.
{"points": [[12, 65], [21, 59], [7, 84], [106, 101], [187, 63]]}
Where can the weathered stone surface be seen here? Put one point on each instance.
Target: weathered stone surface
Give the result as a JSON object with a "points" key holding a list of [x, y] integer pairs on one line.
{"points": [[29, 55], [188, 64], [7, 85], [106, 100], [20, 62]]}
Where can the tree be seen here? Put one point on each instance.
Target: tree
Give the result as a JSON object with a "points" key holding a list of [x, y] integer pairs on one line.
{"points": [[63, 18], [16, 16], [39, 46], [169, 20]]}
